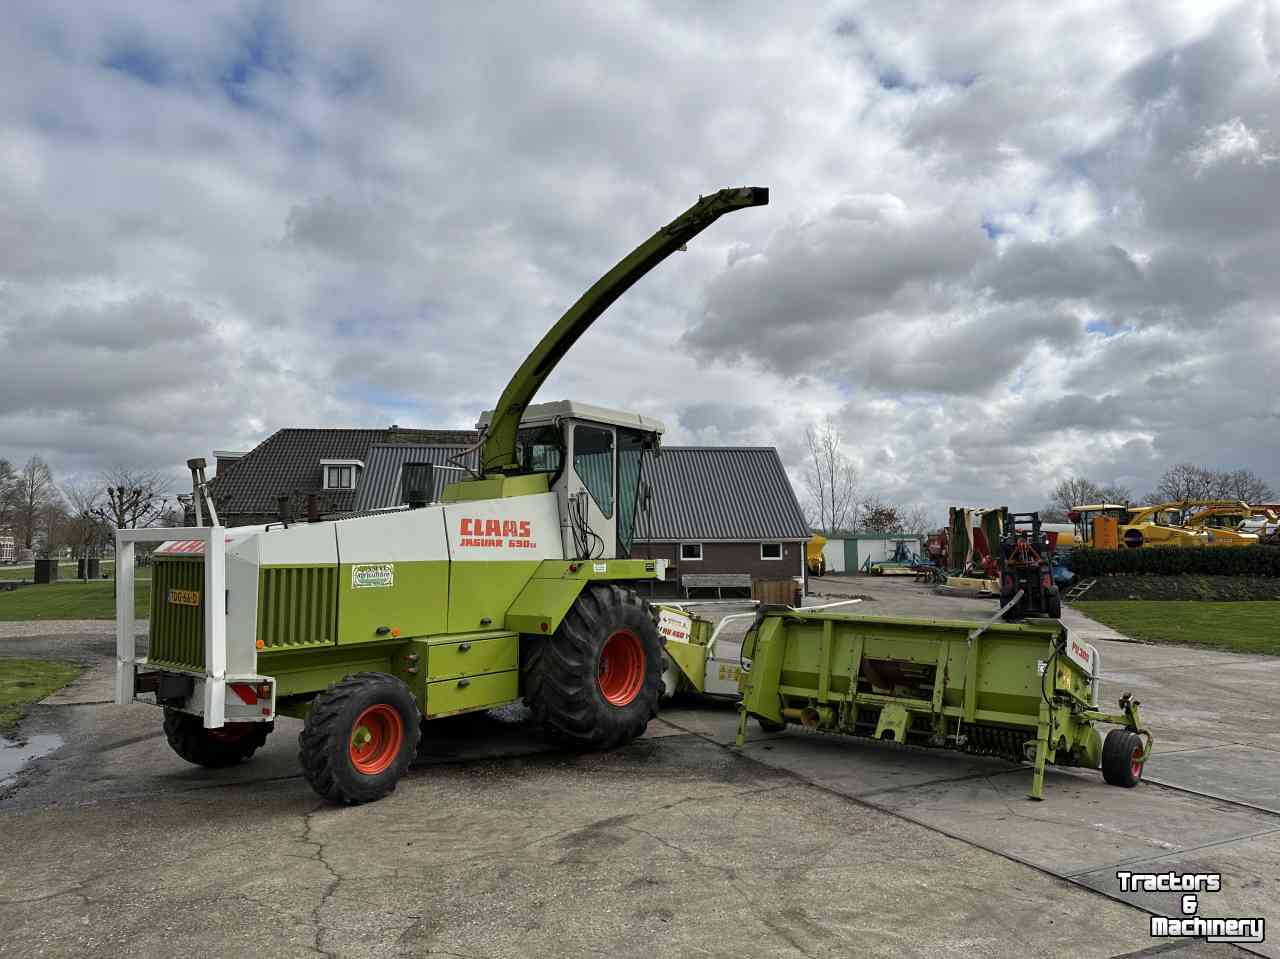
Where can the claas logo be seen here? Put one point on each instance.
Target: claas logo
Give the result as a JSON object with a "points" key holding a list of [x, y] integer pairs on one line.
{"points": [[495, 527], [495, 533]]}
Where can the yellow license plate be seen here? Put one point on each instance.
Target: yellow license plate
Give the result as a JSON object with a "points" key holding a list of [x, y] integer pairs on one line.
{"points": [[184, 597]]}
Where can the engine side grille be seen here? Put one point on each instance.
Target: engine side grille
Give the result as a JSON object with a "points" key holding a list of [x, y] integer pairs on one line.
{"points": [[297, 606], [177, 631]]}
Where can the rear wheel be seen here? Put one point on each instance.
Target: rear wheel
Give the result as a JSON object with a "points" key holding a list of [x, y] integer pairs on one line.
{"points": [[1053, 604], [594, 683], [212, 748], [359, 738], [769, 726], [1122, 758]]}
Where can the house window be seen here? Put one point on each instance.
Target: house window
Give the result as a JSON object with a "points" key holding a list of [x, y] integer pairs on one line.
{"points": [[340, 477], [771, 551], [691, 552]]}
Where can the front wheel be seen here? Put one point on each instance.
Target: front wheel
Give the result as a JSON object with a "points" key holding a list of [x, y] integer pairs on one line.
{"points": [[594, 683], [359, 738], [1122, 758], [212, 748]]}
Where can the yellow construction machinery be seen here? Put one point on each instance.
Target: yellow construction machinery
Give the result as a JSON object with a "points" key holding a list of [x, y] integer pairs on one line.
{"points": [[1227, 521], [1112, 526], [813, 556]]}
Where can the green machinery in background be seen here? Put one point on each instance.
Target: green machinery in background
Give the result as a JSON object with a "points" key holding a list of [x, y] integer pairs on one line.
{"points": [[512, 587], [1022, 691]]}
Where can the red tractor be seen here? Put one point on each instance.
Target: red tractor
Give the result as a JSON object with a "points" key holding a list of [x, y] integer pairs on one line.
{"points": [[1026, 570]]}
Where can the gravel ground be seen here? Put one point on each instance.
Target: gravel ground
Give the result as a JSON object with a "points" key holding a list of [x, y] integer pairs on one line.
{"points": [[57, 627]]}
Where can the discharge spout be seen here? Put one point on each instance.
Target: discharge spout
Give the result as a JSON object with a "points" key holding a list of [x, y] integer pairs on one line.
{"points": [[498, 455]]}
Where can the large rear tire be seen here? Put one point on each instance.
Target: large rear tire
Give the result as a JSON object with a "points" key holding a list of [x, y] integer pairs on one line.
{"points": [[212, 748], [594, 683], [359, 738]]}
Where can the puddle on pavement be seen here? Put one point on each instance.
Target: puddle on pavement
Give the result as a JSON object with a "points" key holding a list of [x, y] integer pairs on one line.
{"points": [[14, 756]]}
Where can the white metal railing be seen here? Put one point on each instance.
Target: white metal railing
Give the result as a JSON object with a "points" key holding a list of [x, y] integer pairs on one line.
{"points": [[715, 635], [215, 620]]}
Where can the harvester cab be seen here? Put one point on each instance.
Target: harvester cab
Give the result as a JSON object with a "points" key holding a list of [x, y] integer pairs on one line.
{"points": [[1097, 525], [593, 460]]}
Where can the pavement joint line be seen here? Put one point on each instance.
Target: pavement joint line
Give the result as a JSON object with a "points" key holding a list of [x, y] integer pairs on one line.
{"points": [[1004, 854], [1267, 810], [1138, 860], [935, 782]]}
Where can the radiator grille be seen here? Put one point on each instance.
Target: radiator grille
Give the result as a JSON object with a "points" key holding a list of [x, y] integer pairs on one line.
{"points": [[177, 631], [298, 606]]}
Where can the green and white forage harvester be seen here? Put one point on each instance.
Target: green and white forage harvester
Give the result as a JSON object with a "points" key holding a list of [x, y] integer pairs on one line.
{"points": [[510, 587]]}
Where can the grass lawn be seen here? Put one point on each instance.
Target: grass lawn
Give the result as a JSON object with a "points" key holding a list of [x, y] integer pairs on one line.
{"points": [[65, 570], [73, 600], [1245, 627], [25, 681]]}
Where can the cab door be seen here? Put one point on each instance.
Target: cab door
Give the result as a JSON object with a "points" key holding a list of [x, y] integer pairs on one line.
{"points": [[590, 486]]}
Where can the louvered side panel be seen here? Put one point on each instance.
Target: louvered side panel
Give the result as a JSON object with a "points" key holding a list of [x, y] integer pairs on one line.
{"points": [[297, 607]]}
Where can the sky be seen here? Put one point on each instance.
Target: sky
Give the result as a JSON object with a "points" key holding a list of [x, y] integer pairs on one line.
{"points": [[1005, 243]]}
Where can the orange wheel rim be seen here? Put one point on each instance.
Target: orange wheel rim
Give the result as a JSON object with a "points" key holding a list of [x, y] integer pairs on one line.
{"points": [[375, 740], [1136, 762], [622, 665]]}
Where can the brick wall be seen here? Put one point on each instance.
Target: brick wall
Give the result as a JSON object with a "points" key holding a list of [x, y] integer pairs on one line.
{"points": [[724, 558]]}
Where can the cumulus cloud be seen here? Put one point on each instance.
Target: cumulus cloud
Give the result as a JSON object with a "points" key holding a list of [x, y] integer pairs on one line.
{"points": [[1008, 245]]}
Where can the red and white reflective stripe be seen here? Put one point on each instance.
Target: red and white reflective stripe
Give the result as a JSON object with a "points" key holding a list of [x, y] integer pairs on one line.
{"points": [[247, 695], [182, 546]]}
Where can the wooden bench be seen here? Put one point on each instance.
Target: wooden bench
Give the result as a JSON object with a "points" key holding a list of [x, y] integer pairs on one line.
{"points": [[716, 581]]}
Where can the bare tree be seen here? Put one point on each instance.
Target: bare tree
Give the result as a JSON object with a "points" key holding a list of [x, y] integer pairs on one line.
{"points": [[1072, 492], [131, 499], [33, 493], [913, 519], [86, 531], [1183, 481], [1244, 485], [8, 492], [830, 479], [1115, 493]]}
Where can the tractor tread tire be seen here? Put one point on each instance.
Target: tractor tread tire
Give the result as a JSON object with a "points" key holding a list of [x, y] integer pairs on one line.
{"points": [[324, 743], [1117, 758], [561, 672], [1053, 604], [201, 747]]}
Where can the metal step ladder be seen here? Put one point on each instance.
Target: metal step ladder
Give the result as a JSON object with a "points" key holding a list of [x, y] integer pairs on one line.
{"points": [[1078, 590]]}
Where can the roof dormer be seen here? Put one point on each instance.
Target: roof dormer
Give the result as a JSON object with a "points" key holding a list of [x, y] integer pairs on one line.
{"points": [[341, 474]]}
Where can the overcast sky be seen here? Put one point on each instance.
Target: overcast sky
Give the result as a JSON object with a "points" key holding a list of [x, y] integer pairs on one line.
{"points": [[1005, 241]]}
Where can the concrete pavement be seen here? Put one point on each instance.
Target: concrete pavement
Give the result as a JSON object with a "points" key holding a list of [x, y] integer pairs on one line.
{"points": [[803, 845]]}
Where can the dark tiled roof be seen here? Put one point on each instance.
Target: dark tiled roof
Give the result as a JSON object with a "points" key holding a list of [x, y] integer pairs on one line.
{"points": [[720, 493], [288, 462], [380, 482]]}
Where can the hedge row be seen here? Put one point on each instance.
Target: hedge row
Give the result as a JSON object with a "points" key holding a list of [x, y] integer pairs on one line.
{"points": [[1175, 560]]}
